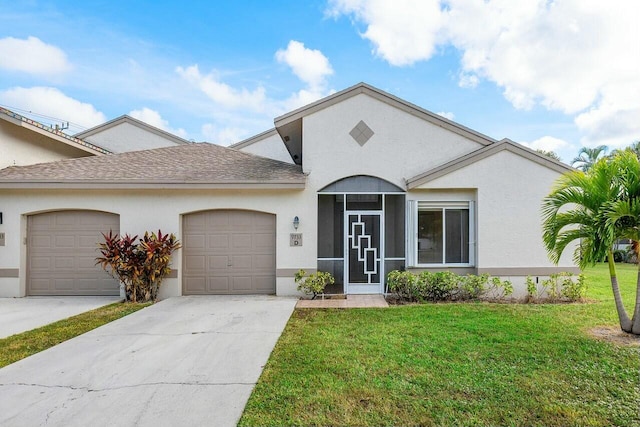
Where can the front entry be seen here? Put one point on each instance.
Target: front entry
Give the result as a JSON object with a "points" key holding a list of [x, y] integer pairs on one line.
{"points": [[364, 252], [361, 233]]}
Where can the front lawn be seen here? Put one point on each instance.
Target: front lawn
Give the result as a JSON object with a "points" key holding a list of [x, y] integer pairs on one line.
{"points": [[19, 346], [453, 364]]}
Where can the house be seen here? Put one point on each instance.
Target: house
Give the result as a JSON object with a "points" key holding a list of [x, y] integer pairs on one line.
{"points": [[358, 184], [24, 141], [125, 133]]}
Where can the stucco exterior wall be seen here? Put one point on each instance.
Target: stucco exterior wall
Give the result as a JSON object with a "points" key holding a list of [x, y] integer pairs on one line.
{"points": [[402, 145], [510, 190], [21, 147], [271, 147], [127, 137], [142, 211]]}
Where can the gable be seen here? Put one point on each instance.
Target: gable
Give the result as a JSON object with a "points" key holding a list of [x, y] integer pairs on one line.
{"points": [[128, 134], [289, 125], [363, 135], [522, 155]]}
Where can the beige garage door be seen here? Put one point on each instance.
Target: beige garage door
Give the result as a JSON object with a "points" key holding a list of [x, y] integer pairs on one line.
{"points": [[61, 252], [229, 252]]}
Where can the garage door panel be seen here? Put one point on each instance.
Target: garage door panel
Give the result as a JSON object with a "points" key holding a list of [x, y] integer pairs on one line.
{"points": [[61, 252], [241, 242], [242, 284], [242, 262], [64, 263], [195, 285], [218, 262], [263, 283], [41, 241], [195, 263], [219, 284], [263, 262], [219, 242], [195, 241], [234, 239], [88, 241], [264, 241]]}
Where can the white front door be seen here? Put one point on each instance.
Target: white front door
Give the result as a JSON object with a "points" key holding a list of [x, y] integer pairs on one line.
{"points": [[363, 248]]}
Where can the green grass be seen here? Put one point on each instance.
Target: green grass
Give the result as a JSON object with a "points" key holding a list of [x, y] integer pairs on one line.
{"points": [[19, 346], [453, 364]]}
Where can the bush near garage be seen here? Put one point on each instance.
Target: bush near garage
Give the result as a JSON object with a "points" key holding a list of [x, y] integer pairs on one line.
{"points": [[141, 264]]}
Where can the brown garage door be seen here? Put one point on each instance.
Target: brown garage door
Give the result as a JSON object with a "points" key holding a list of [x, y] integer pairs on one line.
{"points": [[229, 252], [61, 252]]}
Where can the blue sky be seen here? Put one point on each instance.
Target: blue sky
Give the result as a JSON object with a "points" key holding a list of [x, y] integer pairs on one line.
{"points": [[552, 74]]}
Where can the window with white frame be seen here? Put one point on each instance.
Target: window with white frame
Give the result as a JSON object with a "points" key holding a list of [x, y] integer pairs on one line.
{"points": [[442, 233]]}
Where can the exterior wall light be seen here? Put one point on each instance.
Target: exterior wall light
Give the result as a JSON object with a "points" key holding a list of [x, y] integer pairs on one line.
{"points": [[296, 222]]}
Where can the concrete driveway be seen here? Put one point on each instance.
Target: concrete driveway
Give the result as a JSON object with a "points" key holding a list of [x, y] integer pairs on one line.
{"points": [[182, 361], [23, 314]]}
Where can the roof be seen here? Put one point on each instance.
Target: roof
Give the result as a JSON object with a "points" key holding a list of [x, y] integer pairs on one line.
{"points": [[135, 122], [474, 156], [52, 133], [198, 165]]}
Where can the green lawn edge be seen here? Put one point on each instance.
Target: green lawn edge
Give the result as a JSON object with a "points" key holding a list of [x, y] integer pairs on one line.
{"points": [[19, 346]]}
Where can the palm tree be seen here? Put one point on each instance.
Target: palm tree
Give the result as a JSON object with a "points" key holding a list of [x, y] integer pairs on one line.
{"points": [[623, 214], [587, 157], [588, 207]]}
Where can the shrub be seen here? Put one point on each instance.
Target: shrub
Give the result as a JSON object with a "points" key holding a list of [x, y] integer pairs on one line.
{"points": [[314, 283], [472, 286], [403, 284], [440, 286], [574, 290], [558, 287], [140, 266], [499, 289]]}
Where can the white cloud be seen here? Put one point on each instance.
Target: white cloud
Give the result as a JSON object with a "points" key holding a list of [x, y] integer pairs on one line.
{"points": [[447, 115], [547, 143], [223, 135], [309, 65], [222, 93], [52, 102], [402, 31], [154, 118], [33, 56], [468, 81], [579, 57]]}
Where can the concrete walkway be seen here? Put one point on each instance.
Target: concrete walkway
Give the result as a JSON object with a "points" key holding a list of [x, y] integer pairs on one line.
{"points": [[23, 314], [351, 301], [183, 361]]}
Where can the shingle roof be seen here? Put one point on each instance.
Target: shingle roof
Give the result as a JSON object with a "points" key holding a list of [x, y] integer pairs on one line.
{"points": [[183, 165]]}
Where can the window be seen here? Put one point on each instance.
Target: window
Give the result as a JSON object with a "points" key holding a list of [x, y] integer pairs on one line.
{"points": [[444, 234]]}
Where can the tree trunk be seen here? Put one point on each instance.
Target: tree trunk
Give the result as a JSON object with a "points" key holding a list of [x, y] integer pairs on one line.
{"points": [[625, 322], [635, 327]]}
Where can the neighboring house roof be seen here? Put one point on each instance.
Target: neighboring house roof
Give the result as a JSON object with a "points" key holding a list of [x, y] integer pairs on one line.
{"points": [[54, 134], [466, 160], [289, 125], [135, 122], [200, 165]]}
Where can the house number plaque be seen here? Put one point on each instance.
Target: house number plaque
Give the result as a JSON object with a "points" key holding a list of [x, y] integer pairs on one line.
{"points": [[295, 239]]}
